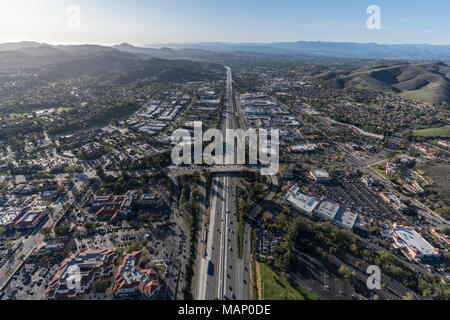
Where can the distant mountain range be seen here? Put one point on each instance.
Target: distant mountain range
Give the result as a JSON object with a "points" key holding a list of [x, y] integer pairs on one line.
{"points": [[166, 53], [34, 54], [51, 63], [392, 68], [329, 49], [426, 81]]}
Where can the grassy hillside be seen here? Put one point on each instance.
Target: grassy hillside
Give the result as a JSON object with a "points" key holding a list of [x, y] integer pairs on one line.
{"points": [[171, 70], [442, 132], [276, 287], [428, 82], [125, 68]]}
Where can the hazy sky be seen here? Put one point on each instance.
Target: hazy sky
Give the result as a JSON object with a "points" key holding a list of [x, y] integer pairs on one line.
{"points": [[168, 21]]}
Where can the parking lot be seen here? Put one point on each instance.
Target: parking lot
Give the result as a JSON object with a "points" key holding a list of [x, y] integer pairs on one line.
{"points": [[29, 283], [324, 283], [361, 199], [164, 245]]}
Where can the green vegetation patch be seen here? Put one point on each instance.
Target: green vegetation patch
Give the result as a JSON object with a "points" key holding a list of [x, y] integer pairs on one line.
{"points": [[240, 237], [442, 132], [424, 95], [277, 287]]}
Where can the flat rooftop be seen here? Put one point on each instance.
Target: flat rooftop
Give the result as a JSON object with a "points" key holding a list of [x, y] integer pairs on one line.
{"points": [[413, 240], [327, 209], [319, 173], [300, 200], [31, 215], [8, 216], [345, 218]]}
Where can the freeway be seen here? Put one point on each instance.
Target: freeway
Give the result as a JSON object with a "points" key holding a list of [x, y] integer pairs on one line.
{"points": [[222, 275]]}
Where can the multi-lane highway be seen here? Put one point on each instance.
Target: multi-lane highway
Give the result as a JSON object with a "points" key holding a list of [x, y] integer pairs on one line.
{"points": [[221, 274]]}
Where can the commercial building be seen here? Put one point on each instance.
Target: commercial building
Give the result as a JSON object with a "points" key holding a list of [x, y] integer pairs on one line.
{"points": [[320, 175], [413, 244], [368, 181], [442, 237], [340, 216], [286, 174], [391, 168], [345, 219], [114, 207], [393, 200], [363, 224], [210, 102], [77, 273], [300, 200], [30, 219], [9, 218], [45, 248], [303, 148], [131, 280], [326, 210]]}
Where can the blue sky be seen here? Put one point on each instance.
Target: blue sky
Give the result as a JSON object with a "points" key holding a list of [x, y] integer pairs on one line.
{"points": [[170, 21]]}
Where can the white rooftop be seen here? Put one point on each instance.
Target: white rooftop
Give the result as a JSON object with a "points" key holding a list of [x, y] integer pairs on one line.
{"points": [[300, 200], [413, 240], [327, 209], [319, 173], [345, 219]]}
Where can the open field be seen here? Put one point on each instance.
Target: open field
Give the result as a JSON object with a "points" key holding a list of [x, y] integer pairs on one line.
{"points": [[424, 95], [443, 132], [276, 287], [440, 175]]}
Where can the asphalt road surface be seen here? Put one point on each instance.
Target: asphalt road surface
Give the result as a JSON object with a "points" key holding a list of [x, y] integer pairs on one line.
{"points": [[222, 275]]}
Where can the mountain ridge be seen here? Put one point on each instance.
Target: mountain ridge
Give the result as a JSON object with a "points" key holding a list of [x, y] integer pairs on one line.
{"points": [[425, 81], [368, 50]]}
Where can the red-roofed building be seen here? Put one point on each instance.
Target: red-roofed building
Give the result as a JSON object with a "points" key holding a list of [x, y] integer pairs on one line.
{"points": [[131, 280], [114, 207], [77, 273], [30, 219]]}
